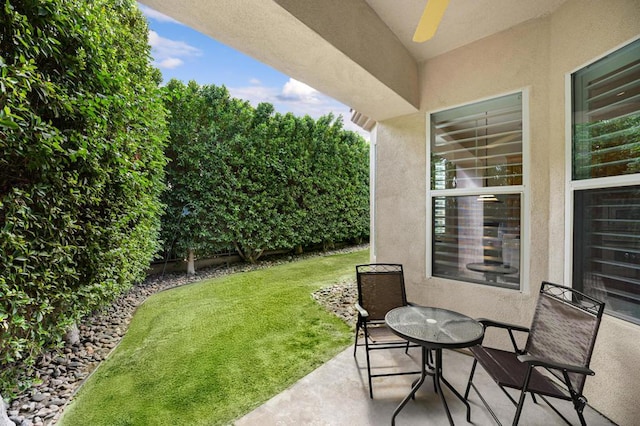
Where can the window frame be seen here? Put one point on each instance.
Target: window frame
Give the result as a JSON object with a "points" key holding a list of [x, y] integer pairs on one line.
{"points": [[573, 185], [522, 190]]}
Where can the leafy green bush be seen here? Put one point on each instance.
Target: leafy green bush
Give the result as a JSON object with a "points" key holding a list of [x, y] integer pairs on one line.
{"points": [[254, 180], [82, 131]]}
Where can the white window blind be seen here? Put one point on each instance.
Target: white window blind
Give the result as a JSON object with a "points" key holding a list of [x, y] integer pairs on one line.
{"points": [[478, 145], [475, 233]]}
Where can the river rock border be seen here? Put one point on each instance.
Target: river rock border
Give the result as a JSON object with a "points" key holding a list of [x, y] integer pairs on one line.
{"points": [[60, 373]]}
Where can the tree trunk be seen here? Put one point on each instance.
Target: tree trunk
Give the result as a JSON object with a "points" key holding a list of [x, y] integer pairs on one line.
{"points": [[256, 255], [239, 251], [191, 264], [248, 255]]}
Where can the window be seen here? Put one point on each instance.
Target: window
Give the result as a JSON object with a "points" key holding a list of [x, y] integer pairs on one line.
{"points": [[606, 181], [476, 191]]}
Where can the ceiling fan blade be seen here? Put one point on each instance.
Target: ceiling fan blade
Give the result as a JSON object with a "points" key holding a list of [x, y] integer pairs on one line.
{"points": [[431, 17]]}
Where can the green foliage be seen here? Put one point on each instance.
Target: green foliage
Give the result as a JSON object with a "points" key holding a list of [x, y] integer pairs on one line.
{"points": [[82, 131], [254, 180]]}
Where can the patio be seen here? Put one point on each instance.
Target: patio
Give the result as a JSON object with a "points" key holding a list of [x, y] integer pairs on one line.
{"points": [[535, 57], [337, 394]]}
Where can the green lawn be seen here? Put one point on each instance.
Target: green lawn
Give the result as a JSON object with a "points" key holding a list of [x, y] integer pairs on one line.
{"points": [[206, 353]]}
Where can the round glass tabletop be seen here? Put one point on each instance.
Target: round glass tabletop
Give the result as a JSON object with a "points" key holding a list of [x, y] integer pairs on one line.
{"points": [[434, 327]]}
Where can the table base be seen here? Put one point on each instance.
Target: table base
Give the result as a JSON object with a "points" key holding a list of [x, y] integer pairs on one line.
{"points": [[437, 380]]}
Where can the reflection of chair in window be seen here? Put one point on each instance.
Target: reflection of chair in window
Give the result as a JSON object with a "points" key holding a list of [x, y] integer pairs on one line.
{"points": [[380, 289], [560, 342]]}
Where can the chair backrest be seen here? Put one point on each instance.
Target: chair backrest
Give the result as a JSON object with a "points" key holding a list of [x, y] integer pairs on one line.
{"points": [[564, 328], [380, 288]]}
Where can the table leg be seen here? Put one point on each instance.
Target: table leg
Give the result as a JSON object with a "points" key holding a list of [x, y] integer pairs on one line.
{"points": [[460, 397], [438, 379], [438, 386], [416, 386]]}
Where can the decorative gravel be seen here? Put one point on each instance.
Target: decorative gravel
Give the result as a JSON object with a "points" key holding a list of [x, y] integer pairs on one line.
{"points": [[340, 299], [60, 373]]}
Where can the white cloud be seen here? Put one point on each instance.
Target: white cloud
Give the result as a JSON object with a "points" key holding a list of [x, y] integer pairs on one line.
{"points": [[296, 91], [167, 53], [155, 15], [255, 94], [170, 63], [299, 99], [255, 81]]}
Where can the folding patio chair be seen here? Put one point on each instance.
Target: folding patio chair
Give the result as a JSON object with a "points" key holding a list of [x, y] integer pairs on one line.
{"points": [[380, 289], [555, 360]]}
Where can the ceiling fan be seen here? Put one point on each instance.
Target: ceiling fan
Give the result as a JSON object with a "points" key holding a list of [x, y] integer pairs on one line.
{"points": [[431, 17]]}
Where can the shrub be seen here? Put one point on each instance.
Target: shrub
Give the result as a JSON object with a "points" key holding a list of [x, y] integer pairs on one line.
{"points": [[82, 130], [255, 180]]}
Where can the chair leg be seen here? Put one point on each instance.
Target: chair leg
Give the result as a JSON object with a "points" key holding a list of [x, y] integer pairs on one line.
{"points": [[355, 345], [366, 345], [523, 395], [579, 404], [473, 370]]}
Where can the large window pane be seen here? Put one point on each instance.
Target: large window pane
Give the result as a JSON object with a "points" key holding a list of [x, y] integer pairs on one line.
{"points": [[606, 144], [607, 262], [606, 122], [476, 231], [477, 238], [478, 145]]}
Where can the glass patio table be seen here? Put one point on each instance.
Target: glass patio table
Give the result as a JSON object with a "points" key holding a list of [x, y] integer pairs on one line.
{"points": [[434, 329], [492, 271]]}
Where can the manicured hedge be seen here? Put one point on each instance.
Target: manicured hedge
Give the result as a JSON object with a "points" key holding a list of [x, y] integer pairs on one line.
{"points": [[254, 180], [82, 133]]}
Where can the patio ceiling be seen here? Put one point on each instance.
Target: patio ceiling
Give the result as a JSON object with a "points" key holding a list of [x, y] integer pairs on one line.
{"points": [[359, 52]]}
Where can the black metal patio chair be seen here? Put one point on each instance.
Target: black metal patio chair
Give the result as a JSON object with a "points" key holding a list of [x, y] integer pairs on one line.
{"points": [[380, 289], [555, 359]]}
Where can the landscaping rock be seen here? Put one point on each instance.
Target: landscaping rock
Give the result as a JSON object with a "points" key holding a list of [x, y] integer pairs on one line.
{"points": [[61, 372], [340, 299], [4, 418], [73, 335]]}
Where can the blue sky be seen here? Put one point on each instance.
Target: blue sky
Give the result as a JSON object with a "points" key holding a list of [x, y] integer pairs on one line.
{"points": [[185, 54]]}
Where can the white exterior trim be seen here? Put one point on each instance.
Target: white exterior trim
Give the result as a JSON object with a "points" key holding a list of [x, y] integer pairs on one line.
{"points": [[525, 214]]}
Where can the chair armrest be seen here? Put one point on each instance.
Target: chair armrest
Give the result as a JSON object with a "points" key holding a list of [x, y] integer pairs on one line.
{"points": [[491, 323], [531, 360], [362, 311], [506, 326]]}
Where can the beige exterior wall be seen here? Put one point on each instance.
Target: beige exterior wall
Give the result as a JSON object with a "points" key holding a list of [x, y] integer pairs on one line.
{"points": [[535, 57]]}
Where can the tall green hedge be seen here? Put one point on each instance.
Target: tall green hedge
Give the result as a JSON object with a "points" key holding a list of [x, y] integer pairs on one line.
{"points": [[82, 131], [252, 180]]}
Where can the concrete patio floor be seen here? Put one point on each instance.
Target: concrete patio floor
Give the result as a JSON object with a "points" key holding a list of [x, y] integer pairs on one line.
{"points": [[337, 394]]}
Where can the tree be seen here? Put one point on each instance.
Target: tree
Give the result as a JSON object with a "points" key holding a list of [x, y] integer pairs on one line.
{"points": [[82, 129], [197, 196], [254, 180]]}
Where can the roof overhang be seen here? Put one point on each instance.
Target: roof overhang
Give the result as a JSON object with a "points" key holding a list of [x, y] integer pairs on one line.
{"points": [[341, 48], [360, 52]]}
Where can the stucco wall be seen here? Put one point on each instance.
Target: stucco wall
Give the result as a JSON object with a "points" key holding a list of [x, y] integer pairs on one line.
{"points": [[583, 31], [400, 183], [535, 56]]}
